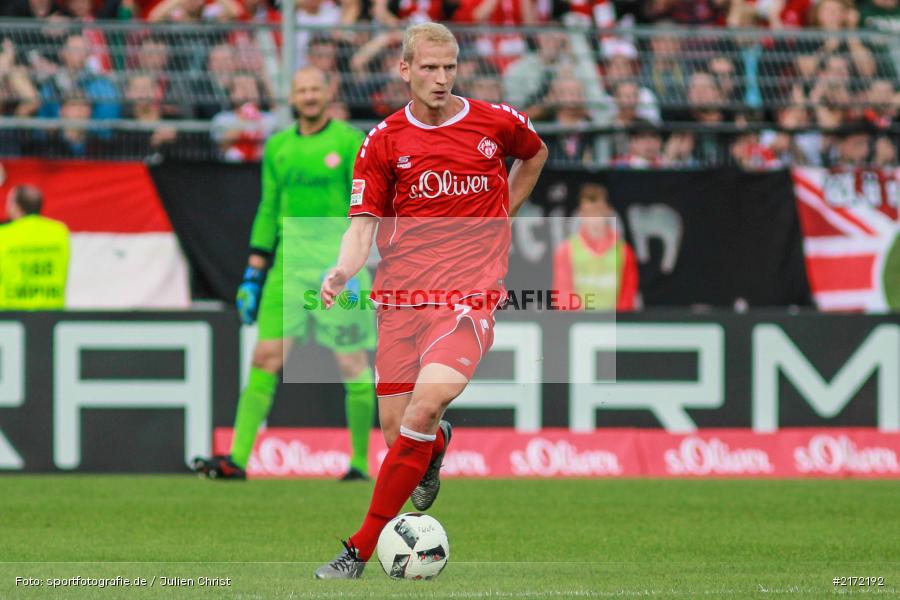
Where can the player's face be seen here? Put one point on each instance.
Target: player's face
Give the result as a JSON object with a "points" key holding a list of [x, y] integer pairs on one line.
{"points": [[309, 95], [431, 73]]}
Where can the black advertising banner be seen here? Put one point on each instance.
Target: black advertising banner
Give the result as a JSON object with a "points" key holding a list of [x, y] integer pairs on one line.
{"points": [[720, 237], [144, 391]]}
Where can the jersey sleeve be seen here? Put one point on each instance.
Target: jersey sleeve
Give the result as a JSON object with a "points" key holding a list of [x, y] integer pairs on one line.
{"points": [[516, 133], [264, 234], [373, 178]]}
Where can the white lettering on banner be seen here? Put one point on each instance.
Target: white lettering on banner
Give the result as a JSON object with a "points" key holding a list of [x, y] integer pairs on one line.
{"points": [[523, 391], [546, 458], [12, 385], [71, 393], [830, 455], [696, 456], [668, 400], [465, 462], [433, 184], [275, 456], [774, 353]]}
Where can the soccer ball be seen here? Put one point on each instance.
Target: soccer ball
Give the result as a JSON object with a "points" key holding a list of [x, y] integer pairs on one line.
{"points": [[413, 546]]}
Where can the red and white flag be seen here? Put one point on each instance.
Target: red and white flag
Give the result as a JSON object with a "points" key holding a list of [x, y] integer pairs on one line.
{"points": [[850, 229], [124, 253]]}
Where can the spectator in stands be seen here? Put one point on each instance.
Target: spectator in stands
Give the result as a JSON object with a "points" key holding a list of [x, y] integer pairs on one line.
{"points": [[153, 55], [211, 88], [500, 48], [750, 154], [527, 81], [486, 86], [621, 65], [853, 149], [831, 95], [724, 72], [645, 148], [241, 132], [880, 15], [73, 74], [790, 146], [882, 102], [885, 153], [594, 269], [569, 110], [688, 12], [313, 12], [18, 96], [704, 99], [323, 54], [70, 141], [193, 11], [374, 68], [35, 9], [775, 14], [398, 13], [144, 105], [664, 70], [833, 17]]}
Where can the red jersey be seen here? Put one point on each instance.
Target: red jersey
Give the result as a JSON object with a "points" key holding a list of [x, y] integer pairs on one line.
{"points": [[442, 195]]}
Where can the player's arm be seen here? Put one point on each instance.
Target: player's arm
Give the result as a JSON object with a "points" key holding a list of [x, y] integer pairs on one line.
{"points": [[263, 239], [373, 181], [520, 141], [523, 176], [354, 252]]}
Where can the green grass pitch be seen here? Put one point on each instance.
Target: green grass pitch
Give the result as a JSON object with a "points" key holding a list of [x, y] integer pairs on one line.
{"points": [[509, 538]]}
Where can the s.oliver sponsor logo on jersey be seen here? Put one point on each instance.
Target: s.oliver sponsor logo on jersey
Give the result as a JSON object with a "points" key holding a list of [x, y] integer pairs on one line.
{"points": [[547, 458], [432, 185], [832, 454], [696, 456]]}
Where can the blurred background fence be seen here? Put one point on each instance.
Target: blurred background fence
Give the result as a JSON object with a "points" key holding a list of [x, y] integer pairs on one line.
{"points": [[640, 96]]}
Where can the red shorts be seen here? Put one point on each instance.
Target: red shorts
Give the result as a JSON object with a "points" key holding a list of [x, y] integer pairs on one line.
{"points": [[409, 338]]}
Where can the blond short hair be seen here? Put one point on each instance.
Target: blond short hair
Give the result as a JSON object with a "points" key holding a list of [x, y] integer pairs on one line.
{"points": [[426, 32]]}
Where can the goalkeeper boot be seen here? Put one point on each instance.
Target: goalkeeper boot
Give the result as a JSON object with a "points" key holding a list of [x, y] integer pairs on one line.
{"points": [[218, 467], [427, 490], [346, 565], [354, 475]]}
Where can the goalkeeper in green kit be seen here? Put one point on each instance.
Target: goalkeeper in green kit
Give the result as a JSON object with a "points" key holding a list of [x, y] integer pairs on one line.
{"points": [[306, 180]]}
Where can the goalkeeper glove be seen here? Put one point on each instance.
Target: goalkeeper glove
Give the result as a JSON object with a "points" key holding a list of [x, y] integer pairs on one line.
{"points": [[248, 295]]}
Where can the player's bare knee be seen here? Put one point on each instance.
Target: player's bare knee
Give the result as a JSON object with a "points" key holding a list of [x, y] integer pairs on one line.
{"points": [[390, 435], [268, 357], [352, 365]]}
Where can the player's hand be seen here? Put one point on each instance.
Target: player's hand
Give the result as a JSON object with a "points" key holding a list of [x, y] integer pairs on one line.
{"points": [[332, 284], [248, 295]]}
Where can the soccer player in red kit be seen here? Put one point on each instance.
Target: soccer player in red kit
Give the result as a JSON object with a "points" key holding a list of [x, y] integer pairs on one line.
{"points": [[433, 175]]}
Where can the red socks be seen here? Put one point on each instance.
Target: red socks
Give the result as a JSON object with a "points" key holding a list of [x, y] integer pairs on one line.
{"points": [[400, 473], [439, 443]]}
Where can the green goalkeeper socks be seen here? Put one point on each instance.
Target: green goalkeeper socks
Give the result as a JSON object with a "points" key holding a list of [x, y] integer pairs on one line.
{"points": [[253, 408], [360, 407]]}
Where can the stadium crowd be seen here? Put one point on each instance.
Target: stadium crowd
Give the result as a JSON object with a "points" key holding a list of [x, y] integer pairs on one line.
{"points": [[615, 86]]}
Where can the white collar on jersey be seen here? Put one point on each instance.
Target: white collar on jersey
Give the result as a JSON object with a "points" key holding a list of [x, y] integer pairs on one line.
{"points": [[454, 119]]}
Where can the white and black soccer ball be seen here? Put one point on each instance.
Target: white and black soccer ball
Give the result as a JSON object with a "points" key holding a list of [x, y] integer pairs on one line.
{"points": [[413, 546]]}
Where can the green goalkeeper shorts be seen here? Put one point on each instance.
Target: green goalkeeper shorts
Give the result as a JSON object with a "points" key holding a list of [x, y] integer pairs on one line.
{"points": [[290, 307]]}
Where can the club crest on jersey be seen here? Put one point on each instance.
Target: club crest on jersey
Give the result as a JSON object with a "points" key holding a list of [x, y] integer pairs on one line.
{"points": [[356, 192], [403, 162], [488, 147], [332, 160]]}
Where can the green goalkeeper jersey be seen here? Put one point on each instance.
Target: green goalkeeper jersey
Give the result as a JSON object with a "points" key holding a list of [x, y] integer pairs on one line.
{"points": [[306, 176]]}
